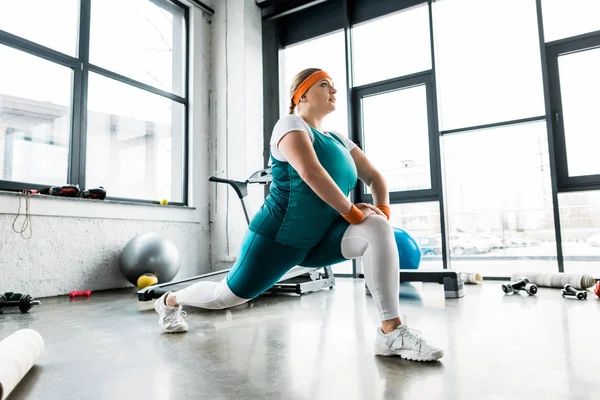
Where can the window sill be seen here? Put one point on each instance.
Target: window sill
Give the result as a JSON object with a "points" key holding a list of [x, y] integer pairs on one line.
{"points": [[76, 207]]}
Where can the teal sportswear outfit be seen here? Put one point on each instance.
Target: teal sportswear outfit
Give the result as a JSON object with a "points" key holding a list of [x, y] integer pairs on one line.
{"points": [[294, 226]]}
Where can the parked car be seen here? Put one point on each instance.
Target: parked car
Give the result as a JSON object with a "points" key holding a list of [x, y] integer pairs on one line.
{"points": [[463, 243], [430, 245]]}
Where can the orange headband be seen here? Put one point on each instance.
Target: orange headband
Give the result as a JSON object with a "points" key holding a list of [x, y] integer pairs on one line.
{"points": [[307, 83]]}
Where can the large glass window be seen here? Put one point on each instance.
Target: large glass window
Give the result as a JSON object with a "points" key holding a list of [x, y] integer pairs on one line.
{"points": [[564, 19], [396, 137], [131, 136], [580, 229], [133, 128], [327, 53], [487, 62], [32, 20], [35, 115], [499, 200], [579, 88], [392, 46], [145, 41]]}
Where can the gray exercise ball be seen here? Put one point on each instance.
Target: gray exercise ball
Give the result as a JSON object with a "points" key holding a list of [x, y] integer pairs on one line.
{"points": [[149, 253]]}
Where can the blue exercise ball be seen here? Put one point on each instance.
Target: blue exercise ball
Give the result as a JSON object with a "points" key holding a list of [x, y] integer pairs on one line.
{"points": [[149, 253], [408, 249]]}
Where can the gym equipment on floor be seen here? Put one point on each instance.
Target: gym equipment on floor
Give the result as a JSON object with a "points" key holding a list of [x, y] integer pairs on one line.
{"points": [[149, 253], [570, 291], [558, 279], [409, 253], [523, 283], [24, 302], [146, 280], [298, 280], [84, 293], [18, 353], [454, 285], [474, 278]]}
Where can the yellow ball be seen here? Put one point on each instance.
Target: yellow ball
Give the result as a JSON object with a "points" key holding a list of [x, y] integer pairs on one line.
{"points": [[146, 280], [164, 202]]}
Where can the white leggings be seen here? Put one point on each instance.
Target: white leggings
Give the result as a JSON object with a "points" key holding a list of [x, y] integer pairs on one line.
{"points": [[372, 239]]}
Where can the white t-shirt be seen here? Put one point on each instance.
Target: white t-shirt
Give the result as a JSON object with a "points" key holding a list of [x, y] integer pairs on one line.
{"points": [[291, 122]]}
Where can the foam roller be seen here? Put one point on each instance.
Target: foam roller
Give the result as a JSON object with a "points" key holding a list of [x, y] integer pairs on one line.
{"points": [[18, 353], [557, 279], [474, 278]]}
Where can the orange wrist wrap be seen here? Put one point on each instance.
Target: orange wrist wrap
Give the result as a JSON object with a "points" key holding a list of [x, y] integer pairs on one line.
{"points": [[354, 216], [384, 209]]}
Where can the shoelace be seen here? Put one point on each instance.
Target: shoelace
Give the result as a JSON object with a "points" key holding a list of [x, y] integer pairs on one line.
{"points": [[175, 316], [407, 332], [414, 334]]}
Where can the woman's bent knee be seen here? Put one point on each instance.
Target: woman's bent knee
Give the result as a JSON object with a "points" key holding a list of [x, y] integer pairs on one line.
{"points": [[377, 224]]}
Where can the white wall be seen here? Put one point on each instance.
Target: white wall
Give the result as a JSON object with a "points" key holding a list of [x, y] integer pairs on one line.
{"points": [[76, 243]]}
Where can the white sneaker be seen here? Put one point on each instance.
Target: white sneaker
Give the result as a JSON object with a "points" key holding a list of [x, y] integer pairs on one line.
{"points": [[407, 343], [170, 318]]}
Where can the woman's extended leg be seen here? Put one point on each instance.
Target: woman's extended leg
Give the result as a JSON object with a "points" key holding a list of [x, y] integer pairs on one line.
{"points": [[260, 264]]}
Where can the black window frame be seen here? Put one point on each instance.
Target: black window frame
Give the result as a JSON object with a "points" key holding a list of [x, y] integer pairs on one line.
{"points": [[554, 50], [81, 67], [424, 78]]}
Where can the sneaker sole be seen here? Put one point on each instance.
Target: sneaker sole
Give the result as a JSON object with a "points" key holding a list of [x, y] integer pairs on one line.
{"points": [[177, 330], [408, 354]]}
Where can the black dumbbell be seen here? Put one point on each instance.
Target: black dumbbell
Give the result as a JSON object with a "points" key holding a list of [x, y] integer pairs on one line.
{"points": [[10, 296], [570, 291], [24, 302], [521, 284]]}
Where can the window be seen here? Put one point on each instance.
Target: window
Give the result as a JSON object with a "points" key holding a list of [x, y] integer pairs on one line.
{"points": [[396, 137], [35, 118], [392, 46], [580, 229], [146, 42], [130, 138], [488, 64], [327, 53], [564, 19], [132, 135], [579, 88], [342, 268], [499, 200], [491, 120], [31, 20]]}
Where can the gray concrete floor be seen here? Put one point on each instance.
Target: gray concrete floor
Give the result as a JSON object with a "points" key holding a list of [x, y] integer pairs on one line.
{"points": [[318, 346]]}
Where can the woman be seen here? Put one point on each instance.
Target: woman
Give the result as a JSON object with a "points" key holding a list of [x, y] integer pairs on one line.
{"points": [[308, 220]]}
